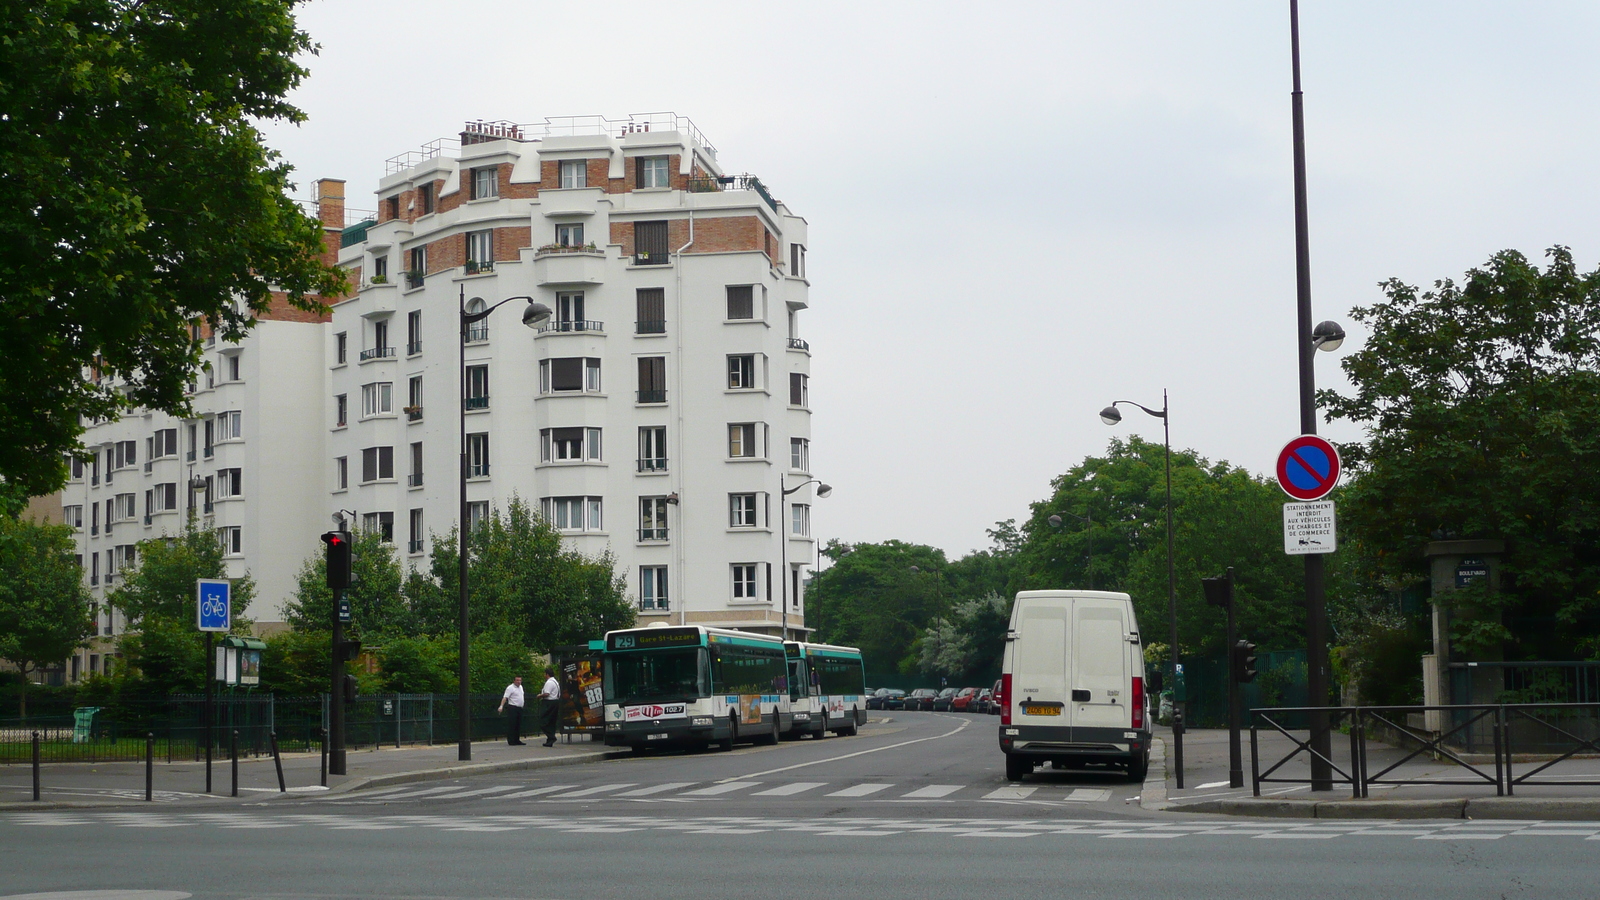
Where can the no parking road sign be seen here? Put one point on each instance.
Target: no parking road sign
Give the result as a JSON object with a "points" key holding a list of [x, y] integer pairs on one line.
{"points": [[1308, 467]]}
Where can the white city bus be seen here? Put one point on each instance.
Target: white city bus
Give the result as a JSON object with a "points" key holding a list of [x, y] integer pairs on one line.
{"points": [[827, 689], [691, 685]]}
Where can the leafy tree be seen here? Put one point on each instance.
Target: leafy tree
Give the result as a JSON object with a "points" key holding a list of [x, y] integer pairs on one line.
{"points": [[44, 608], [968, 643], [879, 597], [1481, 402], [377, 606], [139, 199]]}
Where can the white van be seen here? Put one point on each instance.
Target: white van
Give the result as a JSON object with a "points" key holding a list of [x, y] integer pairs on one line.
{"points": [[1072, 683]]}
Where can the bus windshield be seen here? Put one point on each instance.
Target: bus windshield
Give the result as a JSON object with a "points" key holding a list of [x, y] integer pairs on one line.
{"points": [[656, 676]]}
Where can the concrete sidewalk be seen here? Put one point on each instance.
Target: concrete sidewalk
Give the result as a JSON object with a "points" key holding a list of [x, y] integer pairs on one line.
{"points": [[1472, 796], [119, 784]]}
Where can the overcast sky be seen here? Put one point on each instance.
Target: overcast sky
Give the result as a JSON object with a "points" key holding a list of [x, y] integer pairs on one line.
{"points": [[1021, 212]]}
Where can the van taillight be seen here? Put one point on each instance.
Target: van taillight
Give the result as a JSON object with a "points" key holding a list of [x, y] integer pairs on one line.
{"points": [[1138, 702], [1005, 699]]}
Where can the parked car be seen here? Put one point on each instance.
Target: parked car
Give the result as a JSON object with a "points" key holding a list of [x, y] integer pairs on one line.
{"points": [[982, 701], [962, 701], [995, 699], [875, 698], [921, 699], [893, 698]]}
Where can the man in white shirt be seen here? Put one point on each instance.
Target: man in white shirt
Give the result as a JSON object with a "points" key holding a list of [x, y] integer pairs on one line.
{"points": [[550, 706], [513, 698]]}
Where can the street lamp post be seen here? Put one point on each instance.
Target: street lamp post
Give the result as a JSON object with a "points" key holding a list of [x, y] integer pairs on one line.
{"points": [[533, 316], [823, 491], [1111, 416], [1088, 567]]}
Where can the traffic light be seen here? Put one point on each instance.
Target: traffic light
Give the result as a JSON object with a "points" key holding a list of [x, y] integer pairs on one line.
{"points": [[349, 650], [349, 689], [1243, 659], [338, 559], [1219, 590]]}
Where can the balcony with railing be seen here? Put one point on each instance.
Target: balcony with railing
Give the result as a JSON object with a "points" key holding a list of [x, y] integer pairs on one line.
{"points": [[413, 348], [652, 534], [377, 353], [414, 546], [477, 403], [561, 264], [413, 413], [478, 332], [479, 267], [798, 344], [706, 184], [650, 326], [414, 279], [653, 396], [657, 464], [572, 325]]}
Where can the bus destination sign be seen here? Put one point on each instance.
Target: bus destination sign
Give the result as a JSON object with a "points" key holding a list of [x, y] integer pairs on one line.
{"points": [[653, 639]]}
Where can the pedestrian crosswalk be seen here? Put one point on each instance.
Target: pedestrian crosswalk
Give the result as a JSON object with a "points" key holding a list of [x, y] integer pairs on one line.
{"points": [[691, 791]]}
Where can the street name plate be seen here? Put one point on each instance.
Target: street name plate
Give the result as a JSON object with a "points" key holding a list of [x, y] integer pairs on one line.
{"points": [[1309, 528]]}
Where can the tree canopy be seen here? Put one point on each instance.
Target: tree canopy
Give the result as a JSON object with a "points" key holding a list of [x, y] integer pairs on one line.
{"points": [[139, 199], [44, 607], [1481, 402]]}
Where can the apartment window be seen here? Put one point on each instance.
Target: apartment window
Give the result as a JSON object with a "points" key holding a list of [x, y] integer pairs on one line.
{"points": [[569, 444], [574, 173], [380, 337], [799, 389], [478, 331], [797, 260], [127, 507], [569, 311], [392, 205], [416, 463], [125, 454], [232, 537], [94, 571], [744, 581], [414, 397], [650, 243], [232, 366], [73, 516], [341, 415], [417, 266], [570, 235], [211, 375], [651, 317], [485, 183], [380, 522], [164, 443], [414, 332], [653, 588], [477, 515], [77, 468], [377, 399], [341, 347], [573, 513], [652, 518], [230, 482], [377, 463], [477, 387], [425, 198], [800, 454], [741, 372], [653, 172], [341, 473], [571, 373], [165, 496], [653, 448], [742, 440], [800, 519], [652, 379], [414, 532], [193, 442], [741, 301], [480, 251], [741, 510], [230, 426], [380, 269], [478, 455]]}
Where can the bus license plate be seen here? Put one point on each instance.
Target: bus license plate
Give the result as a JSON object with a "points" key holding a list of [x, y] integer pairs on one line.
{"points": [[1042, 710], [656, 737]]}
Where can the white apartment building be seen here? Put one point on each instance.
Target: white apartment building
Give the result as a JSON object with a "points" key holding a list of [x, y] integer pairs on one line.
{"points": [[657, 415]]}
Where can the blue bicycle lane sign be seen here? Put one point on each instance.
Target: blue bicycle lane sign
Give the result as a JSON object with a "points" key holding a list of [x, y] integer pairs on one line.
{"points": [[213, 604]]}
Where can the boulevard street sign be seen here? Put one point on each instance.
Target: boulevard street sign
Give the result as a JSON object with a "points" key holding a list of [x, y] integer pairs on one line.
{"points": [[1309, 528], [1308, 467], [213, 604]]}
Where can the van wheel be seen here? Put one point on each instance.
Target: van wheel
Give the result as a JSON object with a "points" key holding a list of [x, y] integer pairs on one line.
{"points": [[1017, 767], [1138, 768]]}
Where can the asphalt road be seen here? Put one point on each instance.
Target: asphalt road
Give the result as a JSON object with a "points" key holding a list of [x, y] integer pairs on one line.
{"points": [[914, 808]]}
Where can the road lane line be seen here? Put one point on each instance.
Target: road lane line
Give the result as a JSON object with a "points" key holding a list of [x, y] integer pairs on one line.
{"points": [[657, 788], [1009, 793], [590, 792], [474, 793], [860, 790], [547, 789], [799, 786], [933, 791], [830, 759], [1090, 795], [721, 787]]}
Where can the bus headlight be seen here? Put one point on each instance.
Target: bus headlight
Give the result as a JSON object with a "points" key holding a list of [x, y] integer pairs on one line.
{"points": [[700, 722]]}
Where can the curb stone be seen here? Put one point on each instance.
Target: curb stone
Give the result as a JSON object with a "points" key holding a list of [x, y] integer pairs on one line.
{"points": [[1535, 808], [1569, 808], [1153, 794], [450, 772], [1455, 808]]}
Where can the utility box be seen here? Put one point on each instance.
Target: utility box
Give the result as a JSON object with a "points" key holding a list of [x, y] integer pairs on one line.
{"points": [[239, 660]]}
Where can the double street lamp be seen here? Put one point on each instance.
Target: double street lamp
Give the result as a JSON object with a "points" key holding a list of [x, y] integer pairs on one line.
{"points": [[784, 529], [533, 316], [1111, 416]]}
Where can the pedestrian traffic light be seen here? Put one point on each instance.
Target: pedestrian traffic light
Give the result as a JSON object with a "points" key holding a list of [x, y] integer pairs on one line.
{"points": [[1244, 662], [349, 689], [349, 650], [338, 559], [1219, 590]]}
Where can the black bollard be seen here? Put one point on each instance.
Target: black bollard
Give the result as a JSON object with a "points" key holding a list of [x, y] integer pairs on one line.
{"points": [[233, 754], [149, 766], [36, 765], [324, 780], [277, 761]]}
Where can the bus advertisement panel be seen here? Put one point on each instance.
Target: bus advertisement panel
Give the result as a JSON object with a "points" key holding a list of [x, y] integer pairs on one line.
{"points": [[827, 689]]}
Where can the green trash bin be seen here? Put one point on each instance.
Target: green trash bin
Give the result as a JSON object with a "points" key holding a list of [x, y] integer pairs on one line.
{"points": [[83, 723]]}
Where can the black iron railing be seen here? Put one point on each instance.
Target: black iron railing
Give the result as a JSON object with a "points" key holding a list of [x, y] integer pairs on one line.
{"points": [[658, 464], [798, 344], [652, 534], [650, 326], [377, 353], [653, 396], [480, 402], [413, 348], [573, 325]]}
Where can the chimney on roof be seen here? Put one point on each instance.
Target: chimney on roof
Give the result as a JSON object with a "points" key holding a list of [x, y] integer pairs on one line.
{"points": [[330, 202]]}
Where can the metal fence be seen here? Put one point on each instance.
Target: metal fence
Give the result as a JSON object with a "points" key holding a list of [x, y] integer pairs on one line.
{"points": [[119, 733], [1484, 741]]}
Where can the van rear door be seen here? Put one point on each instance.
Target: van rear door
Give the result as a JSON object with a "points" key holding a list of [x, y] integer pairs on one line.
{"points": [[1038, 678], [1098, 665]]}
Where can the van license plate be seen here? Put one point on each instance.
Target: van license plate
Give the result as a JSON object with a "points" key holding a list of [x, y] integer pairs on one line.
{"points": [[656, 737], [1041, 710]]}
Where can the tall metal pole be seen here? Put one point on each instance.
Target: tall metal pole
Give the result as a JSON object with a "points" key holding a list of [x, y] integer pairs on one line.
{"points": [[1316, 616], [1172, 603], [205, 715], [336, 755], [783, 549], [463, 699], [1235, 752]]}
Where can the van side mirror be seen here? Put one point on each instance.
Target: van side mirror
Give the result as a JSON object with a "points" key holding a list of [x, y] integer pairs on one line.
{"points": [[1158, 680]]}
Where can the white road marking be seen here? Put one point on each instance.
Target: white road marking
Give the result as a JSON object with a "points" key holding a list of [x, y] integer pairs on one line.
{"points": [[1089, 795], [1009, 793], [790, 789], [934, 791], [657, 788], [1211, 784], [956, 730], [590, 792], [721, 787], [473, 793], [547, 789], [860, 790]]}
